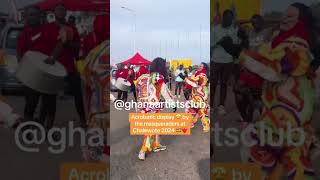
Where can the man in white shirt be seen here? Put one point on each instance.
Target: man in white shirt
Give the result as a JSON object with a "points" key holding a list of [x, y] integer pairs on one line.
{"points": [[222, 36], [179, 74]]}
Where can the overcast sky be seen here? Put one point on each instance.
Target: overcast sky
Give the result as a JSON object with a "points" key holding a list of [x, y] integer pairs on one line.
{"points": [[165, 28]]}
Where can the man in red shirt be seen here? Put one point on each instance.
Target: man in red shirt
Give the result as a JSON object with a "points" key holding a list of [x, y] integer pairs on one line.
{"points": [[131, 78], [31, 33], [29, 39], [122, 73], [142, 70], [63, 44]]}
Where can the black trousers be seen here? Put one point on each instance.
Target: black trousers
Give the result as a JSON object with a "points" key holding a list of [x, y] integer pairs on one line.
{"points": [[123, 95], [47, 109], [74, 81], [178, 88], [187, 93], [246, 101], [221, 75], [133, 90]]}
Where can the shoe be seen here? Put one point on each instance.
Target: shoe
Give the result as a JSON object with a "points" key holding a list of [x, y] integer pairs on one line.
{"points": [[192, 125], [159, 148], [179, 96], [206, 129], [142, 155], [221, 110]]}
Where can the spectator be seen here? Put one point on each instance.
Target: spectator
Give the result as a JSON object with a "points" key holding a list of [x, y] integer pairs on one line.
{"points": [[66, 38], [131, 78], [179, 78], [142, 70], [122, 73], [72, 20], [187, 88], [224, 35], [31, 38]]}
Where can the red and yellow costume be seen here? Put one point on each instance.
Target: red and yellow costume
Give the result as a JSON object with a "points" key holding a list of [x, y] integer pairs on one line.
{"points": [[96, 78], [199, 99], [288, 97], [150, 88]]}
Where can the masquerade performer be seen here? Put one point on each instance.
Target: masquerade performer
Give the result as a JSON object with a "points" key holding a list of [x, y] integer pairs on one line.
{"points": [[199, 98], [150, 88], [96, 78], [288, 97]]}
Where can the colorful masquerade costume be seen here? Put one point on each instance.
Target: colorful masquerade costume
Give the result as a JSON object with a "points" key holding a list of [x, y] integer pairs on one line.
{"points": [[199, 99], [151, 88], [8, 119], [288, 98], [96, 78]]}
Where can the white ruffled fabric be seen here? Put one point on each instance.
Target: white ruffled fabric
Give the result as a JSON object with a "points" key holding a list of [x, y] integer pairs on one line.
{"points": [[7, 117]]}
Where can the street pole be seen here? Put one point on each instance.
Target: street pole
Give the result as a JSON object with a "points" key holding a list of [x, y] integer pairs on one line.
{"points": [[134, 26], [200, 43]]}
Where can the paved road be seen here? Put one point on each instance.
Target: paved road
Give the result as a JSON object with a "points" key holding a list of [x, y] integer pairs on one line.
{"points": [[186, 157], [232, 154], [18, 165]]}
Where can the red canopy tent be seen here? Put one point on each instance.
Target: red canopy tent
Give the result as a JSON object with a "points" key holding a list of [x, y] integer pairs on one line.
{"points": [[137, 59], [76, 5]]}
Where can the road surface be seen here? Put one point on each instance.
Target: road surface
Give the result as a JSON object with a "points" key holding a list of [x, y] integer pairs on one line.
{"points": [[16, 164]]}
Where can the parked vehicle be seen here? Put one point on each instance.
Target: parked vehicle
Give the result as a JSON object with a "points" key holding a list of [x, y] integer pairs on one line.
{"points": [[9, 62]]}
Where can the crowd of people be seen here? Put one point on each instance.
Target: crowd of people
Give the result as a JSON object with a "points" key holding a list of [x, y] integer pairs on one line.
{"points": [[153, 83], [177, 78], [274, 74]]}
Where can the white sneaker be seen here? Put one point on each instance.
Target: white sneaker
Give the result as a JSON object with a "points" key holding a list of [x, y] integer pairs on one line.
{"points": [[159, 148], [179, 96], [221, 110], [142, 155]]}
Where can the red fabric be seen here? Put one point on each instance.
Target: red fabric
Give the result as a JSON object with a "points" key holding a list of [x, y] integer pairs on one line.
{"points": [[123, 73], [101, 27], [100, 33], [187, 86], [298, 30], [137, 59], [76, 5], [106, 150], [131, 74], [89, 42], [250, 79], [202, 71], [142, 70], [28, 39], [50, 40]]}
